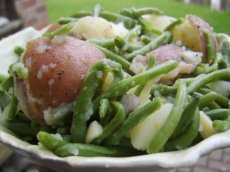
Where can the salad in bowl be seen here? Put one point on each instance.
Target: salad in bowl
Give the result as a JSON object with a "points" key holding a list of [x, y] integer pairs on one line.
{"points": [[137, 85]]}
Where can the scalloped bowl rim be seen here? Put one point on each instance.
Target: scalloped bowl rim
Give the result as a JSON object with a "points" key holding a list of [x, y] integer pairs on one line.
{"points": [[164, 159]]}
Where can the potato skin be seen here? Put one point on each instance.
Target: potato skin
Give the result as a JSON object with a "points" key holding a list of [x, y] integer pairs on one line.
{"points": [[167, 52], [53, 27], [192, 34], [56, 73]]}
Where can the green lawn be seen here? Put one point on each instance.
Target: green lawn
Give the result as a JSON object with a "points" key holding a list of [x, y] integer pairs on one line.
{"points": [[219, 20]]}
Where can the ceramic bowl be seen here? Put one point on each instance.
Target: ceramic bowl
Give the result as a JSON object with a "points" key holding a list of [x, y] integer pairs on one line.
{"points": [[151, 162]]}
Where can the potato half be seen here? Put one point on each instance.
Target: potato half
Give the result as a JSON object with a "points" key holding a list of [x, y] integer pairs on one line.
{"points": [[55, 73], [192, 34]]}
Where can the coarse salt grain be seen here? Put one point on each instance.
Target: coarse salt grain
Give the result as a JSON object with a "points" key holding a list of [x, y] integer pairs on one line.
{"points": [[50, 82], [58, 39], [42, 48]]}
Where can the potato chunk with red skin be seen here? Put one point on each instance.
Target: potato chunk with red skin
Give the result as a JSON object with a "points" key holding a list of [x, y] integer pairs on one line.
{"points": [[55, 73], [192, 33]]}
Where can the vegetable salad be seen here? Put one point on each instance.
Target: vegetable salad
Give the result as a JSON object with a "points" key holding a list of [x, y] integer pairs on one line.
{"points": [[119, 84]]}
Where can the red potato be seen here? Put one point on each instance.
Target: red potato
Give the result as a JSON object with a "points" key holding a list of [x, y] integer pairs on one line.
{"points": [[55, 74], [53, 27], [192, 34], [167, 52]]}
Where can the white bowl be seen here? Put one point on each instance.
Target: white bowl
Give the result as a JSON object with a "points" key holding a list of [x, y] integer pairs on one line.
{"points": [[145, 163], [150, 162]]}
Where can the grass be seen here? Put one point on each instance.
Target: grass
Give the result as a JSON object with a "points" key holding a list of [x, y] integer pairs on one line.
{"points": [[218, 19]]}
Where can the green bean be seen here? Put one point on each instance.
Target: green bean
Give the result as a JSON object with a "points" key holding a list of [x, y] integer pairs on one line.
{"points": [[139, 89], [151, 61], [19, 70], [21, 129], [222, 63], [207, 99], [19, 50], [11, 109], [148, 10], [207, 78], [107, 43], [210, 105], [163, 89], [218, 114], [201, 69], [46, 128], [110, 55], [7, 84], [209, 68], [211, 46], [114, 17], [221, 100], [119, 42], [4, 99], [132, 120], [104, 107], [190, 80], [66, 20], [213, 105], [50, 141], [84, 105], [63, 130], [123, 45], [213, 67], [186, 119], [128, 12], [108, 114], [64, 29], [150, 64], [3, 78], [20, 116], [221, 126], [147, 27], [205, 68], [188, 137], [63, 148], [126, 84], [66, 137], [162, 39], [133, 33], [156, 30], [81, 14], [131, 47], [145, 39], [225, 51], [133, 12], [171, 26], [113, 124], [89, 150], [172, 121]]}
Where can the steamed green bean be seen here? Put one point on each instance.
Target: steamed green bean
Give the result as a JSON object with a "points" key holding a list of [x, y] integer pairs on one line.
{"points": [[113, 124], [207, 78], [187, 138], [162, 39], [133, 119], [160, 139], [84, 103]]}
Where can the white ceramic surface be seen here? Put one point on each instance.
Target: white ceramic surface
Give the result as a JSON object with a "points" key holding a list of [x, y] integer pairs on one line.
{"points": [[153, 162], [182, 158]]}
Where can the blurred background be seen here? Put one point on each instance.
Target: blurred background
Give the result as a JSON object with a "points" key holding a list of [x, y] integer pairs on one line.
{"points": [[18, 14]]}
